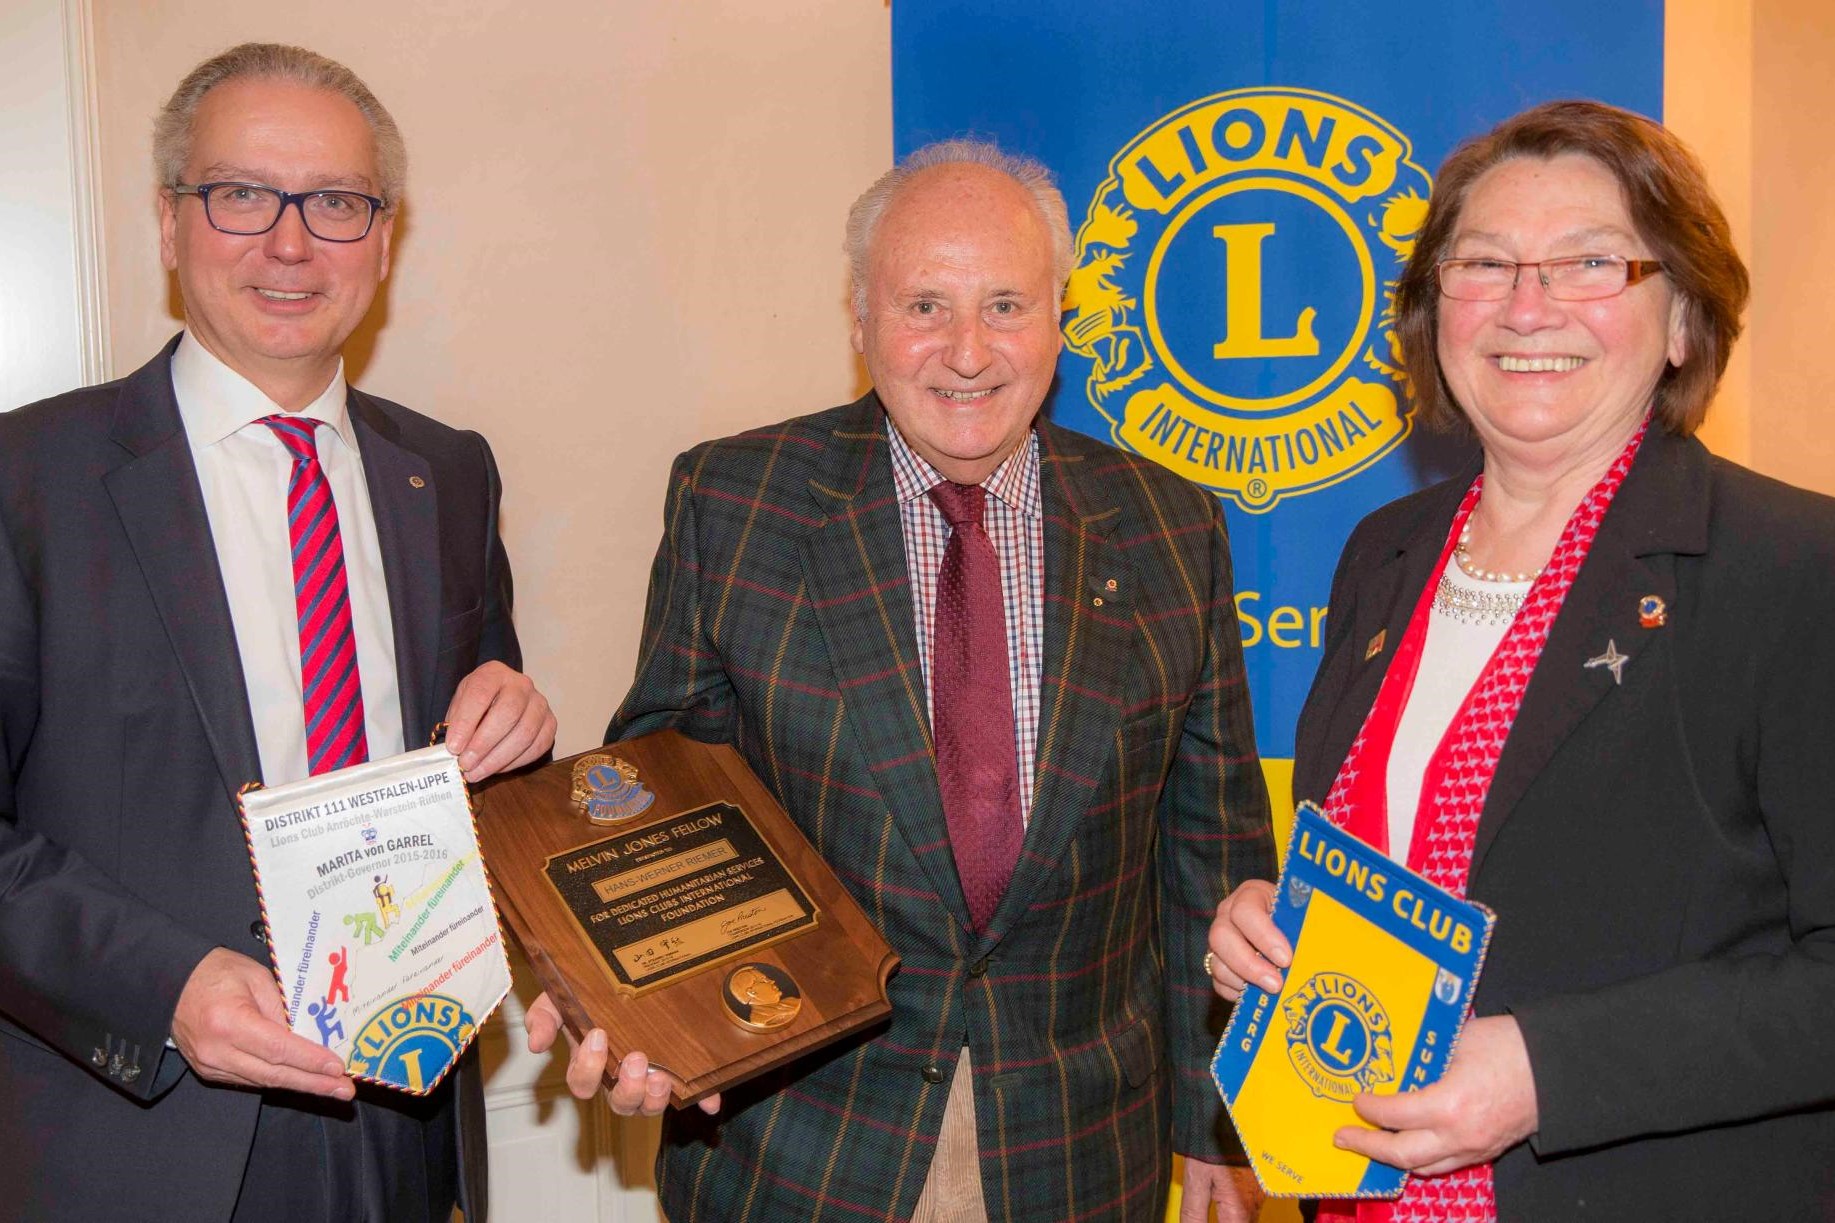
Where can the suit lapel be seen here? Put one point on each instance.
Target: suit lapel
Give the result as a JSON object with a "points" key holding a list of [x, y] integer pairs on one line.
{"points": [[1661, 510], [161, 505], [405, 502], [1087, 653], [854, 566]]}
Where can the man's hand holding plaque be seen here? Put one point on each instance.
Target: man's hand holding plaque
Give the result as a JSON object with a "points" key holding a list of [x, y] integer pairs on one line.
{"points": [[634, 1091], [687, 935]]}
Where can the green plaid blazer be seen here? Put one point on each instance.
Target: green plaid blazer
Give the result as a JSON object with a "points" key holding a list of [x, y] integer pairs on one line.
{"points": [[780, 620]]}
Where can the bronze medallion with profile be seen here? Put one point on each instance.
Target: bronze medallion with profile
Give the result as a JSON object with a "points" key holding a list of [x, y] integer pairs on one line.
{"points": [[660, 893], [761, 997]]}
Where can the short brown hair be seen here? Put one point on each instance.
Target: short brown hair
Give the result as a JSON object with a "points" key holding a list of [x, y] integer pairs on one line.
{"points": [[173, 129], [1671, 206]]}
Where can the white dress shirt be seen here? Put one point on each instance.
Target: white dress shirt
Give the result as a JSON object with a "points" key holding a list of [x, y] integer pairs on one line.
{"points": [[243, 469]]}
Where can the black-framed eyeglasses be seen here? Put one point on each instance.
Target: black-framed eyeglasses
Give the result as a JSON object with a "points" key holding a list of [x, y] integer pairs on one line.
{"points": [[250, 208], [1577, 279]]}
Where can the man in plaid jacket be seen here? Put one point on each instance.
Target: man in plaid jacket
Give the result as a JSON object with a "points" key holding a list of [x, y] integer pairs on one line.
{"points": [[1049, 1048]]}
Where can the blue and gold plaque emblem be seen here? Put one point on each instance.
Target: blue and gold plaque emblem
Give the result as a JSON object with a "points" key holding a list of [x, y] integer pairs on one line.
{"points": [[607, 790], [1233, 291]]}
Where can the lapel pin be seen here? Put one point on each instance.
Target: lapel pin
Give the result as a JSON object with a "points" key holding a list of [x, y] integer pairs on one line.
{"points": [[416, 482], [1612, 661], [1652, 612], [1376, 644]]}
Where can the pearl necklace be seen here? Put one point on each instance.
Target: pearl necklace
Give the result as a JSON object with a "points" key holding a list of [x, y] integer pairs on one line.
{"points": [[1464, 557], [1476, 606], [1469, 606]]}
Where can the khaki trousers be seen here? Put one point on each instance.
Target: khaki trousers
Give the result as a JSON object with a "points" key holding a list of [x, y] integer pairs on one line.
{"points": [[952, 1189]]}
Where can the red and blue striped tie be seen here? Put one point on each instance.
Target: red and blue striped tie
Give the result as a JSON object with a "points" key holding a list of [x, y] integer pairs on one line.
{"points": [[332, 689]]}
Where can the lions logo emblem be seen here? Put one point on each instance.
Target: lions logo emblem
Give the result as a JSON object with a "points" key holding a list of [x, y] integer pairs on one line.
{"points": [[607, 790], [1338, 1037], [1234, 291], [413, 1042]]}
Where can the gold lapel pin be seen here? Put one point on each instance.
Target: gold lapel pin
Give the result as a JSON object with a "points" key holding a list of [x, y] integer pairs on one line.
{"points": [[1376, 644], [1652, 612], [416, 482]]}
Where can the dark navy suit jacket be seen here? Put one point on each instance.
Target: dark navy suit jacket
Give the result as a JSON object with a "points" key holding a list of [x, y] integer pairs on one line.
{"points": [[124, 736]]}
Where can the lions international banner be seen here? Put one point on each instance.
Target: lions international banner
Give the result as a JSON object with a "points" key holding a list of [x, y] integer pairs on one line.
{"points": [[1245, 181]]}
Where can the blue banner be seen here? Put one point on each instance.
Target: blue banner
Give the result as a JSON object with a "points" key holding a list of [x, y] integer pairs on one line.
{"points": [[1245, 181]]}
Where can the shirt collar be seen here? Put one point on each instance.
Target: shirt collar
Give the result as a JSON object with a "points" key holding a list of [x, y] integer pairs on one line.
{"points": [[214, 401], [1015, 482]]}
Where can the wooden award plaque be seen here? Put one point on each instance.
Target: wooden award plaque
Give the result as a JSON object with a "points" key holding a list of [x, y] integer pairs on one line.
{"points": [[660, 893]]}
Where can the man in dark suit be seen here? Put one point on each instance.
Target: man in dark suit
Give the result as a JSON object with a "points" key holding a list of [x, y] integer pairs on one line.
{"points": [[165, 638], [992, 669]]}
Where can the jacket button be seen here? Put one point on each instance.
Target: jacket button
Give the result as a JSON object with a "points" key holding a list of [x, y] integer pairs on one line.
{"points": [[258, 932], [979, 968], [932, 1073]]}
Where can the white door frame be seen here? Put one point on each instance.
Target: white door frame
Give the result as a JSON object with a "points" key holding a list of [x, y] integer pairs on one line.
{"points": [[53, 301]]}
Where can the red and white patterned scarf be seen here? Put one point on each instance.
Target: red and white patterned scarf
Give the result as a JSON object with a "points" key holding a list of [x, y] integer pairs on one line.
{"points": [[1457, 779]]}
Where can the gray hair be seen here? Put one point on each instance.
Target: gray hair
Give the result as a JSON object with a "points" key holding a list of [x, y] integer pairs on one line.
{"points": [[864, 217], [174, 128]]}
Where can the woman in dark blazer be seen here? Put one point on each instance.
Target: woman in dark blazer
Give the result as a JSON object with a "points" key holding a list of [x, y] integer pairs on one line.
{"points": [[1591, 686]]}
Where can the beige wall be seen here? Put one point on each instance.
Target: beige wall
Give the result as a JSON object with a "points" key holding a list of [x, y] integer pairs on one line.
{"points": [[1788, 330], [622, 236], [1748, 86], [1707, 101]]}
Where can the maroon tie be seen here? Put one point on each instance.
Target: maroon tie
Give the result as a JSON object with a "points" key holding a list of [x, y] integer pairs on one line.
{"points": [[329, 683], [972, 706]]}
